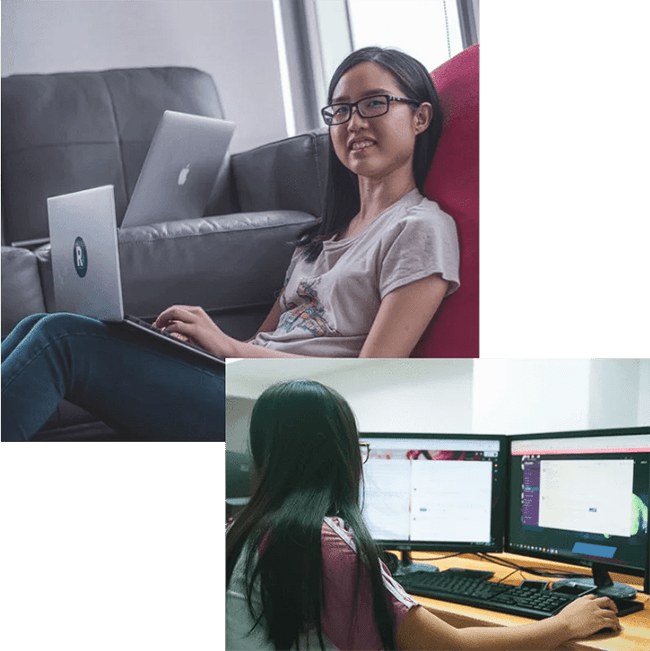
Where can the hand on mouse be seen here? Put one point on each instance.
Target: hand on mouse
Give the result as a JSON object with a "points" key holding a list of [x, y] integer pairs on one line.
{"points": [[589, 614]]}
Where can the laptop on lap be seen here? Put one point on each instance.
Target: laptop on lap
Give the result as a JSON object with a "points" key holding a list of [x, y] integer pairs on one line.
{"points": [[86, 264], [175, 183]]}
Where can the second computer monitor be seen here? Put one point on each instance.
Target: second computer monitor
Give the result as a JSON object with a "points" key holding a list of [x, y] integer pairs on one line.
{"points": [[442, 492], [581, 498]]}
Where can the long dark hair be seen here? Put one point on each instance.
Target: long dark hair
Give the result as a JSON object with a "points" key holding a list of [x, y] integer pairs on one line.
{"points": [[305, 447], [342, 200]]}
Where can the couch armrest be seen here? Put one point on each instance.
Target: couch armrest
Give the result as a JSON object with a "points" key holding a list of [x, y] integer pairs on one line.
{"points": [[22, 293], [289, 174], [227, 264]]}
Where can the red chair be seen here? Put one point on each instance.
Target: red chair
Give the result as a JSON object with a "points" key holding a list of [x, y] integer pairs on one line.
{"points": [[453, 182]]}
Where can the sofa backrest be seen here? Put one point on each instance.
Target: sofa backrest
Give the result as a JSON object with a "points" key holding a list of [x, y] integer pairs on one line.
{"points": [[453, 182], [290, 174], [66, 132]]}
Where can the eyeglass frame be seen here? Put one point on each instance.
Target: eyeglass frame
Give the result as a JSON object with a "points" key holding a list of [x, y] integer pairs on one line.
{"points": [[364, 446], [353, 105]]}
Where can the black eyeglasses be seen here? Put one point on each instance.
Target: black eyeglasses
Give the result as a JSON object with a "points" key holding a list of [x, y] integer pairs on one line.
{"points": [[364, 449], [368, 107]]}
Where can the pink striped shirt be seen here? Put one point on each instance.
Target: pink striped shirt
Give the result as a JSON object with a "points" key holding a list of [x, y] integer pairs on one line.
{"points": [[346, 624]]}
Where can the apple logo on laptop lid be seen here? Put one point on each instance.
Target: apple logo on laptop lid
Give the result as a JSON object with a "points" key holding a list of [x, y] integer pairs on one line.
{"points": [[182, 177]]}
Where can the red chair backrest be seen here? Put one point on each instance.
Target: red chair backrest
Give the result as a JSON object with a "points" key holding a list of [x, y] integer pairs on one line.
{"points": [[453, 182]]}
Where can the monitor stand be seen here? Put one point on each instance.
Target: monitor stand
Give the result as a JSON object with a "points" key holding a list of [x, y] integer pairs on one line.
{"points": [[406, 564], [603, 582]]}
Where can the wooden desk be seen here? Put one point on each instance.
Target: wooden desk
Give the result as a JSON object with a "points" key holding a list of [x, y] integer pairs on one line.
{"points": [[635, 635]]}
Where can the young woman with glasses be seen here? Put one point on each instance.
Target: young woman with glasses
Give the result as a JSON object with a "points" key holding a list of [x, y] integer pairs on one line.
{"points": [[302, 571], [364, 282], [368, 278]]}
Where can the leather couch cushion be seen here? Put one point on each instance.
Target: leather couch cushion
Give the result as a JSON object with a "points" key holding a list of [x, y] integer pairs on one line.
{"points": [[72, 131], [230, 262], [286, 175], [453, 182], [22, 294]]}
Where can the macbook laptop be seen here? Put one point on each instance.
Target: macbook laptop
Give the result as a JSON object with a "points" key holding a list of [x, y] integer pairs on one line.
{"points": [[86, 265], [180, 169]]}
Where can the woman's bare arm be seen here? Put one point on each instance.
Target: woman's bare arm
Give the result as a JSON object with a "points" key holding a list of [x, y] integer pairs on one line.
{"points": [[272, 319], [193, 323], [403, 316], [422, 630]]}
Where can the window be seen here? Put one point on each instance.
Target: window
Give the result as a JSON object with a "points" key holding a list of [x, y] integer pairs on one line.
{"points": [[429, 30], [314, 36]]}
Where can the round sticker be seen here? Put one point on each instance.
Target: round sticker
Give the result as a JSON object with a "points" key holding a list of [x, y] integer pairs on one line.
{"points": [[80, 257]]}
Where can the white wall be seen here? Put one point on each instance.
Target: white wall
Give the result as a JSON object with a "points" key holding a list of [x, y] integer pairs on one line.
{"points": [[545, 395], [643, 415], [396, 395], [519, 396], [232, 40], [486, 396], [615, 392], [414, 395]]}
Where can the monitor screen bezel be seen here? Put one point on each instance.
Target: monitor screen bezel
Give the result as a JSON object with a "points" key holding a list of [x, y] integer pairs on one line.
{"points": [[498, 519], [567, 558], [646, 581]]}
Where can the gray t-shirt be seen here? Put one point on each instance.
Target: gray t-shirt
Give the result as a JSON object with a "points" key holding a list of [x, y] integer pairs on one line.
{"points": [[329, 305]]}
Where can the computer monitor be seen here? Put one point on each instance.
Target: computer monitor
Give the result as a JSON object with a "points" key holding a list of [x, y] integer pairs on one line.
{"points": [[582, 498], [434, 492]]}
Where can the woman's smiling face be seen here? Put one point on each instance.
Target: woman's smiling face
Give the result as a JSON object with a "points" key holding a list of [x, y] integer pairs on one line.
{"points": [[380, 146]]}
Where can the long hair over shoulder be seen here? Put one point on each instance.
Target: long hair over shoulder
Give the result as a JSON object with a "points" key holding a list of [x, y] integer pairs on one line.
{"points": [[305, 448], [342, 200]]}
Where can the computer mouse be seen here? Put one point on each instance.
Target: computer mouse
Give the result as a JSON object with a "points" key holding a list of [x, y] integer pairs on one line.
{"points": [[606, 630]]}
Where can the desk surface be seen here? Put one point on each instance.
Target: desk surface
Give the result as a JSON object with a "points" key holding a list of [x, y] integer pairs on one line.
{"points": [[635, 635]]}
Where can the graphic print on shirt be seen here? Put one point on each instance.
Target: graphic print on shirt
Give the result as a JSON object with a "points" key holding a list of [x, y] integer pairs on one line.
{"points": [[308, 314]]}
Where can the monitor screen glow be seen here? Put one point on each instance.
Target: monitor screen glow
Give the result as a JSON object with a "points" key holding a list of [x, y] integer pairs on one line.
{"points": [[436, 492], [581, 497]]}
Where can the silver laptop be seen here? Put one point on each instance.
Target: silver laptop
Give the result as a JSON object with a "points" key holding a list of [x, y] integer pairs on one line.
{"points": [[179, 172], [86, 264]]}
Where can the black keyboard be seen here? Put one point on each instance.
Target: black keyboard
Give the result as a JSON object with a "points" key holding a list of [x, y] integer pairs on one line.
{"points": [[512, 599]]}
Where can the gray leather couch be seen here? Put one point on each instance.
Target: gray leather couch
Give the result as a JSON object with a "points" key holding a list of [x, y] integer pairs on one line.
{"points": [[70, 131]]}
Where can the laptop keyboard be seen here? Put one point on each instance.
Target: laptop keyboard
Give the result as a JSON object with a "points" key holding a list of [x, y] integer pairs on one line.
{"points": [[185, 344]]}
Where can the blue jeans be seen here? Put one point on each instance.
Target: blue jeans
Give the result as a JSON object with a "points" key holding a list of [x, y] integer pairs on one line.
{"points": [[126, 378]]}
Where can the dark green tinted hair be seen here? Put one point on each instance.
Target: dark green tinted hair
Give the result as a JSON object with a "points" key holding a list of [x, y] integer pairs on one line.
{"points": [[305, 447]]}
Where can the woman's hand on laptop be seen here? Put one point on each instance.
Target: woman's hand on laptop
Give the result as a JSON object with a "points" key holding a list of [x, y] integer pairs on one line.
{"points": [[179, 336], [200, 329], [194, 323]]}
